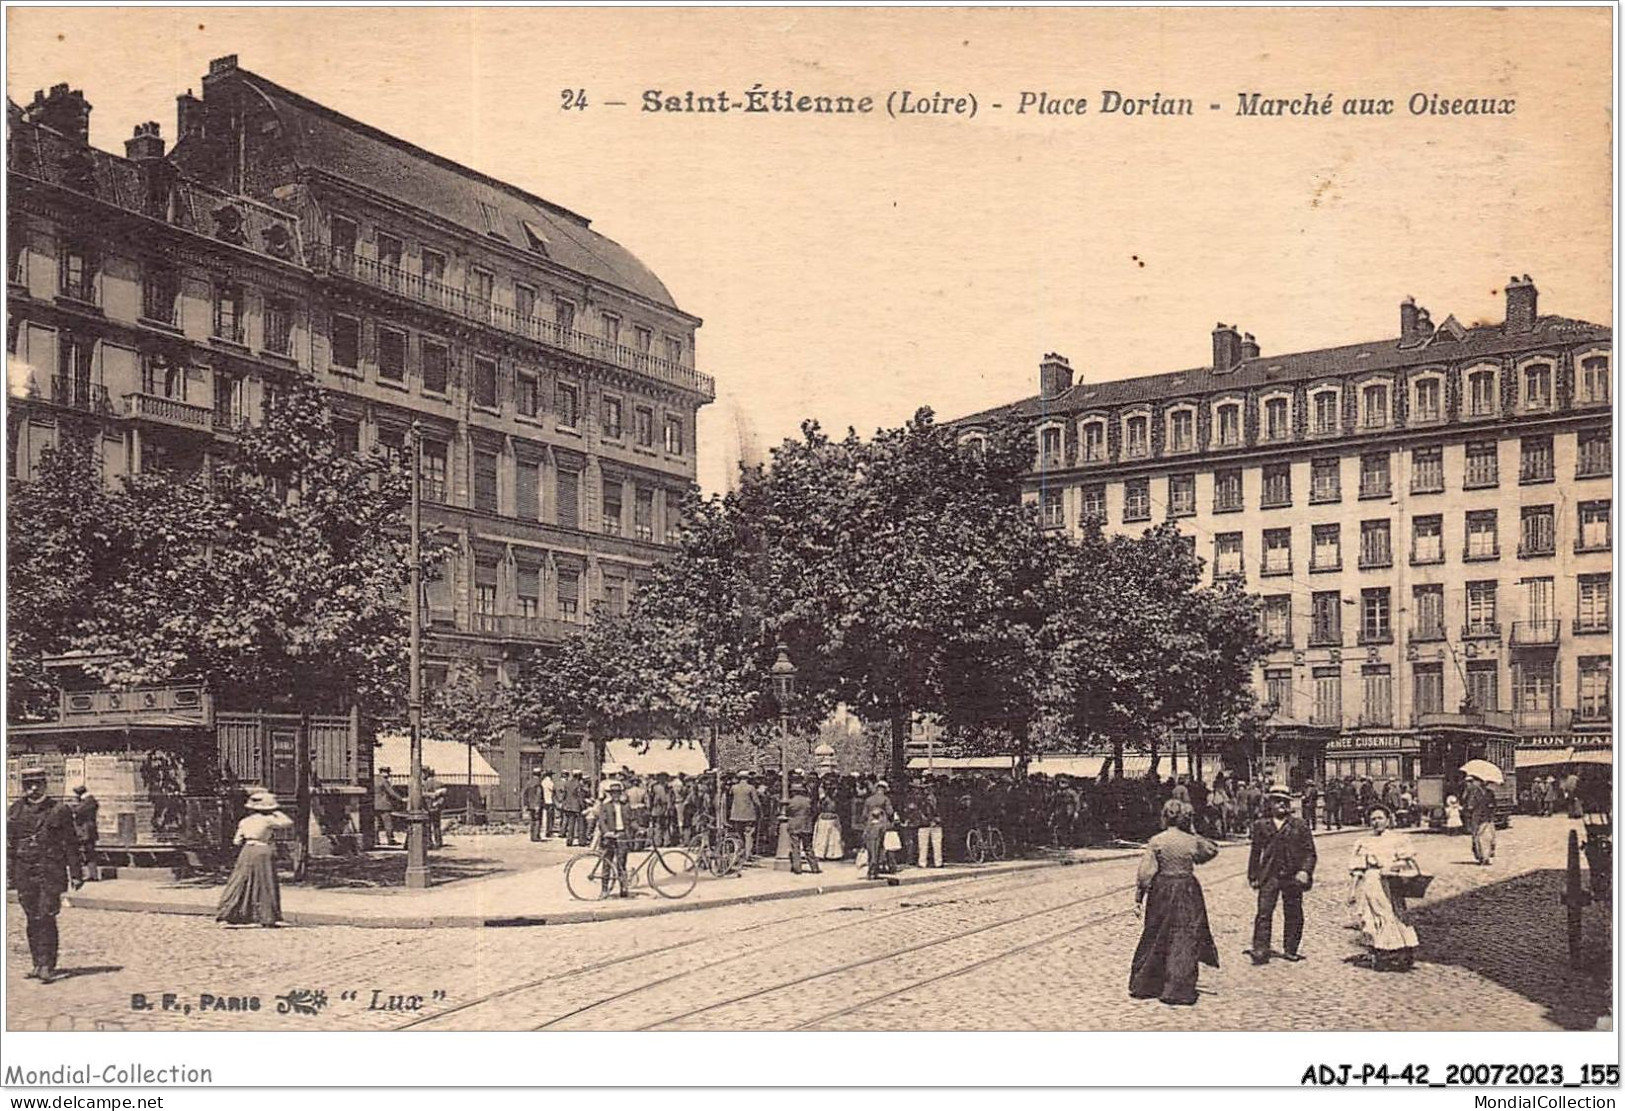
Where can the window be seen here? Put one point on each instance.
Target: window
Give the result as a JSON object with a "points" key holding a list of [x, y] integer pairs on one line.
{"points": [[645, 420], [1596, 533], [485, 481], [1537, 386], [1483, 685], [612, 329], [1427, 400], [615, 596], [343, 232], [1229, 434], [527, 588], [1328, 696], [568, 400], [1276, 618], [160, 291], [1182, 430], [1427, 470], [481, 284], [389, 251], [1532, 684], [643, 514], [1481, 618], [527, 490], [1327, 551], [434, 267], [433, 485], [1137, 499], [643, 338], [228, 405], [1049, 447], [1594, 387], [1325, 481], [1427, 689], [1324, 404], [569, 499], [674, 349], [1538, 536], [1326, 618], [1483, 459], [1094, 441], [527, 394], [160, 375], [569, 595], [391, 355], [1050, 511], [564, 314], [1374, 406], [78, 272], [612, 507], [346, 342], [1378, 707], [1277, 552], [1482, 542], [1277, 419], [1181, 495], [485, 594], [1591, 611], [1595, 454], [1137, 437], [1227, 491], [1227, 554], [1278, 690], [1375, 547], [1094, 502], [1277, 486], [1481, 394], [1537, 460], [1427, 539], [1374, 477], [485, 383], [392, 444], [611, 419], [674, 518], [1595, 674], [436, 367], [1428, 603], [1375, 615], [346, 432], [524, 301], [279, 325], [228, 312]]}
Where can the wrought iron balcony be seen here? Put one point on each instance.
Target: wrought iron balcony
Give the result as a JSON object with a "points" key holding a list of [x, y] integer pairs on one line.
{"points": [[75, 394], [1481, 630], [1536, 633], [520, 627], [427, 291], [167, 410]]}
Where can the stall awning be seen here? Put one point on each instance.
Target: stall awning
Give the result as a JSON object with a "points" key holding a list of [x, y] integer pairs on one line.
{"points": [[962, 763], [1542, 757], [1594, 756], [449, 759], [679, 757]]}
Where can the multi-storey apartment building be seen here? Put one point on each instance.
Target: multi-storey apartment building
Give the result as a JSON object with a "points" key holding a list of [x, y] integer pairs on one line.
{"points": [[1427, 520], [153, 297]]}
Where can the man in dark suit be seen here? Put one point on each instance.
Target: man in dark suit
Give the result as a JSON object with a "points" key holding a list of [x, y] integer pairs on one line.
{"points": [[1310, 796], [800, 827], [85, 807], [615, 831], [1281, 867], [1334, 803], [42, 858], [531, 800], [1478, 807]]}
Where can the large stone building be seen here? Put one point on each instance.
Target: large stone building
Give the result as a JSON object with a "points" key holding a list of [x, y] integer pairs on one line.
{"points": [[153, 297], [1427, 519]]}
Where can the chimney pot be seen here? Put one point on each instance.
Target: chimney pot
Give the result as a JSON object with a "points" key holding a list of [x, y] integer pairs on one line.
{"points": [[223, 64], [188, 117], [1226, 347], [146, 144], [1249, 347], [1054, 376], [63, 110], [1522, 302]]}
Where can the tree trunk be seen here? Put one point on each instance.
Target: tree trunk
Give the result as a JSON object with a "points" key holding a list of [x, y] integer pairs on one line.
{"points": [[900, 721], [1117, 758], [302, 800], [1156, 757]]}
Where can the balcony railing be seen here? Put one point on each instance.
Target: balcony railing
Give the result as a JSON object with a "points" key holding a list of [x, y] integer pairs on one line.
{"points": [[167, 410], [74, 394], [521, 627], [1481, 630], [427, 291], [1536, 632]]}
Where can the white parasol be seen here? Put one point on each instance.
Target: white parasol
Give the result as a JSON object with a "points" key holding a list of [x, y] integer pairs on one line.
{"points": [[1483, 769]]}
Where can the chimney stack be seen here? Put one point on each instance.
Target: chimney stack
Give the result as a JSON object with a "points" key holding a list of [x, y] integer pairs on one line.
{"points": [[65, 111], [1054, 376], [188, 117], [1226, 347], [1521, 304], [147, 144], [1249, 347], [224, 64]]}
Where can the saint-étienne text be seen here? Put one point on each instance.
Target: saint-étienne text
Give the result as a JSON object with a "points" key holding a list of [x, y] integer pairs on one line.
{"points": [[1417, 104], [756, 99]]}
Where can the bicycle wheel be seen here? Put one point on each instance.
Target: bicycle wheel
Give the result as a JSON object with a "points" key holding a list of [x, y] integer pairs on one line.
{"points": [[584, 876], [996, 843], [672, 872], [733, 854], [975, 847]]}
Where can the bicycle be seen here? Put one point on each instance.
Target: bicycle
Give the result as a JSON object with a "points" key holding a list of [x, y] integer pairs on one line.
{"points": [[672, 873], [718, 852], [983, 843]]}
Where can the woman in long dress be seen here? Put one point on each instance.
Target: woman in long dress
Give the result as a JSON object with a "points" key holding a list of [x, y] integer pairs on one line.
{"points": [[251, 893], [827, 841], [1176, 937], [1380, 859]]}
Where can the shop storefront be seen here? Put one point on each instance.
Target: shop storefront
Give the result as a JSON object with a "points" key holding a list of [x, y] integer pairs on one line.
{"points": [[1377, 755]]}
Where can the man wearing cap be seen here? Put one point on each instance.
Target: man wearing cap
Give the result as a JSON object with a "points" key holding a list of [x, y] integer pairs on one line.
{"points": [[614, 831], [42, 857], [1280, 867], [800, 827], [85, 807]]}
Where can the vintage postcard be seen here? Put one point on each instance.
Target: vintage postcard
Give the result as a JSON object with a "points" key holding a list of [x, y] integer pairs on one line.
{"points": [[812, 519]]}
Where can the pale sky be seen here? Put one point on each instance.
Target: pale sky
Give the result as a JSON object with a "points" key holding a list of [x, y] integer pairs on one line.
{"points": [[853, 268]]}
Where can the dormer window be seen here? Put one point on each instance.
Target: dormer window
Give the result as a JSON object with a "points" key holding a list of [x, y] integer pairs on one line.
{"points": [[1482, 392], [1374, 406], [1182, 430], [1593, 380], [1537, 387], [1137, 437], [1229, 424], [1277, 419], [1427, 399], [1324, 406], [1093, 438], [1049, 447]]}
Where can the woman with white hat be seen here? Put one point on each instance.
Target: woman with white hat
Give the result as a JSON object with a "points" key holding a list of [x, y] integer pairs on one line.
{"points": [[251, 894]]}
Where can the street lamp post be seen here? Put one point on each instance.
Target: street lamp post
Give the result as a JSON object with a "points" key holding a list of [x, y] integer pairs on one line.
{"points": [[784, 689], [417, 854]]}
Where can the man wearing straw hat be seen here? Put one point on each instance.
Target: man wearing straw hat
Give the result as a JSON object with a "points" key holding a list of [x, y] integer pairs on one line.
{"points": [[42, 857]]}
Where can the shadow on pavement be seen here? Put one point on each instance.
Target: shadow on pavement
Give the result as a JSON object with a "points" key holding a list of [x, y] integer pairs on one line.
{"points": [[1515, 933]]}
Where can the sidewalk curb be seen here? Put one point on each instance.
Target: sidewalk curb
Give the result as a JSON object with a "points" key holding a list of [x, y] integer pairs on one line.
{"points": [[576, 917]]}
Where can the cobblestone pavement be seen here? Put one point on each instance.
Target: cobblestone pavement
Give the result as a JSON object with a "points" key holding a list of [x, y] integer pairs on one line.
{"points": [[1042, 950]]}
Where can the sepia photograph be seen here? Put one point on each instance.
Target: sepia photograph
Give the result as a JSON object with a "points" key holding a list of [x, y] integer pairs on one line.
{"points": [[832, 520]]}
